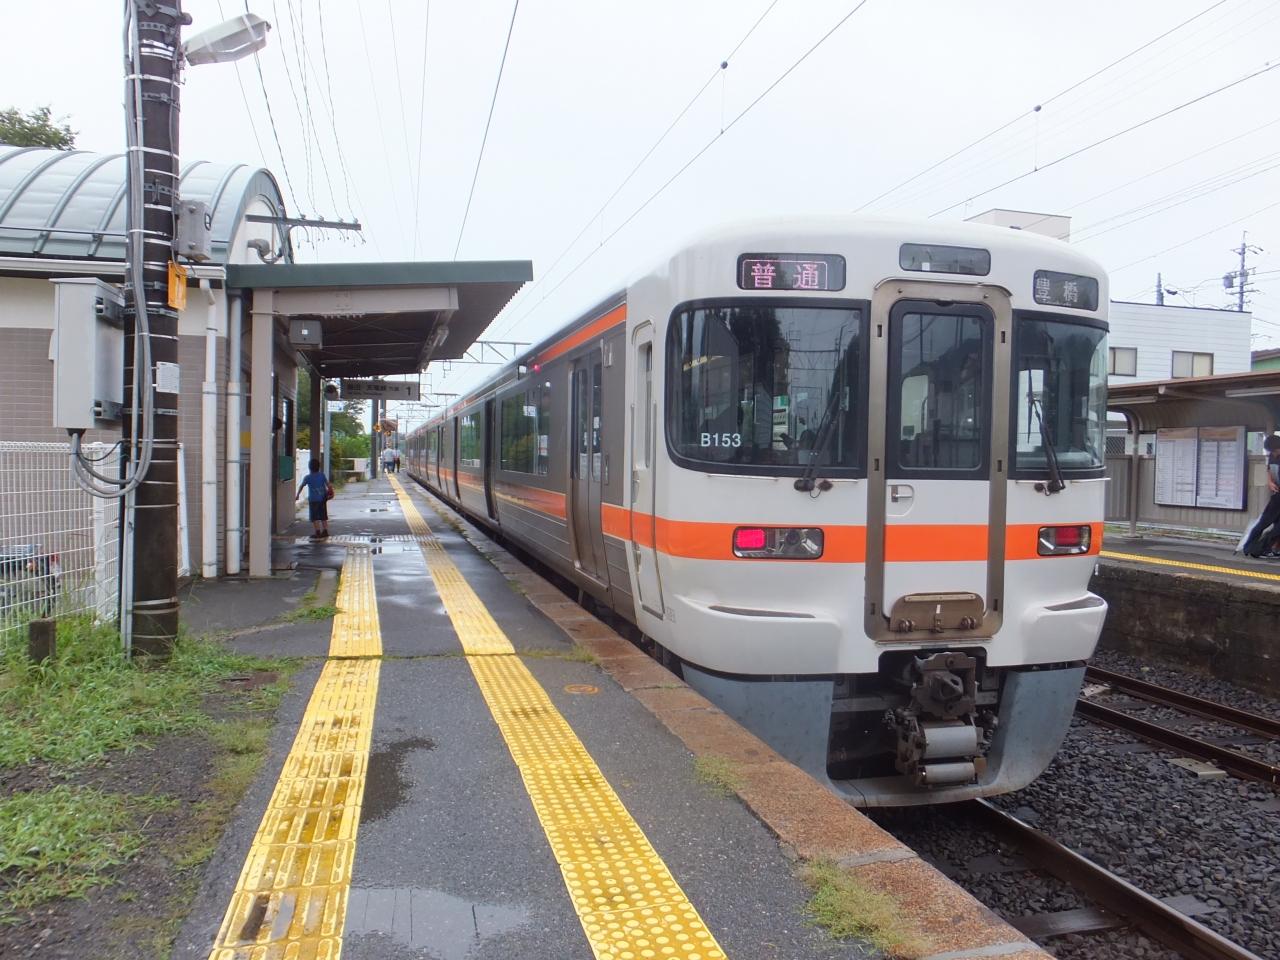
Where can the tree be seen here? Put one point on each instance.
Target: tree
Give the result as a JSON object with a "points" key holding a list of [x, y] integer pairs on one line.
{"points": [[345, 425], [36, 128]]}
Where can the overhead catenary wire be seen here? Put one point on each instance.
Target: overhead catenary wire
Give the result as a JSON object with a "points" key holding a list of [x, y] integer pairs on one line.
{"points": [[485, 139], [1044, 103], [309, 125], [1200, 236], [308, 183], [377, 112], [718, 71], [271, 119], [701, 151], [404, 122], [333, 113], [422, 123], [1110, 137], [244, 96]]}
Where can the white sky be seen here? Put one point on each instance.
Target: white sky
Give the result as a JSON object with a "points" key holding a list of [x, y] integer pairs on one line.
{"points": [[590, 85]]}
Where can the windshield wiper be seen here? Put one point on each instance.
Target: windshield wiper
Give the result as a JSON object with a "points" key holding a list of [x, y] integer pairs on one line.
{"points": [[805, 482], [1056, 484]]}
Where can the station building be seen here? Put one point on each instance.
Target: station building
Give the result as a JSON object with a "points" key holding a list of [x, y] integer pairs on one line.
{"points": [[62, 215]]}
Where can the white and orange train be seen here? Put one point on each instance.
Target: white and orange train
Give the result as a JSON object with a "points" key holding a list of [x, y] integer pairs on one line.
{"points": [[846, 475]]}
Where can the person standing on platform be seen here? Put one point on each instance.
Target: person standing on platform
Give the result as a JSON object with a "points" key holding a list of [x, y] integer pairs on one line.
{"points": [[388, 460], [319, 493], [1262, 534]]}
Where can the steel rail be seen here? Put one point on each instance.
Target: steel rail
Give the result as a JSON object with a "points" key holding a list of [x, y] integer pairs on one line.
{"points": [[1183, 934], [1209, 709], [1232, 761]]}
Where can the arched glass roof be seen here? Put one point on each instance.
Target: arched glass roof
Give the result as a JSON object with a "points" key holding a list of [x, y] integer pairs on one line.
{"points": [[70, 203]]}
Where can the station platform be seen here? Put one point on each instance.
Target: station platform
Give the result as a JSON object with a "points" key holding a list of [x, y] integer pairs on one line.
{"points": [[471, 766], [1175, 552], [1192, 602]]}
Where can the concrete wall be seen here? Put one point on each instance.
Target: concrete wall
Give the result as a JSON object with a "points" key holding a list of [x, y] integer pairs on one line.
{"points": [[1224, 629]]}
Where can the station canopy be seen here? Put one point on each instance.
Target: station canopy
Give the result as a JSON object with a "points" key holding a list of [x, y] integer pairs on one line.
{"points": [[382, 319], [1251, 400]]}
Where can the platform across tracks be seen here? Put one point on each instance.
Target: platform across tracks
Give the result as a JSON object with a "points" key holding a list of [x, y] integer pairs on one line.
{"points": [[455, 778]]}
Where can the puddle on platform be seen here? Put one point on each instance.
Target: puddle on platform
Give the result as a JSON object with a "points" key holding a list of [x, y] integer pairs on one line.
{"points": [[385, 787], [449, 927]]}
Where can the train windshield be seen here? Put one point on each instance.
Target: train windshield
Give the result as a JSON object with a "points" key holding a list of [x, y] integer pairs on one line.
{"points": [[1061, 381], [757, 385]]}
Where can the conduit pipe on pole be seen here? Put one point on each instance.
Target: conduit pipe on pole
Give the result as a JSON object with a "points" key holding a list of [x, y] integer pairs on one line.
{"points": [[209, 439], [235, 503]]}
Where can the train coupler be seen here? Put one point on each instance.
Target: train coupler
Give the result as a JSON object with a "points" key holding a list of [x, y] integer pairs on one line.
{"points": [[942, 737]]}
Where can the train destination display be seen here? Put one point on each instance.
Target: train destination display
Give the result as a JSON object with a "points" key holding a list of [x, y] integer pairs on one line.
{"points": [[791, 271]]}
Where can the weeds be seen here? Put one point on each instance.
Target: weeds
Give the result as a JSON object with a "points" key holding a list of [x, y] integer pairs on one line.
{"points": [[305, 613], [58, 842], [89, 700], [718, 773], [574, 654], [847, 908]]}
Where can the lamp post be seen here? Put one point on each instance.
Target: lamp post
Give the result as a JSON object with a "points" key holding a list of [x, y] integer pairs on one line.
{"points": [[155, 291]]}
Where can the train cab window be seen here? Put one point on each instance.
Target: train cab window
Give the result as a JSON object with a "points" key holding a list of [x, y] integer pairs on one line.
{"points": [[1059, 394], [942, 385], [756, 385]]}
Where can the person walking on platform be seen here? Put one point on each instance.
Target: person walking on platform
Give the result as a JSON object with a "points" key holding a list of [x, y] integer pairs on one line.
{"points": [[388, 460], [1261, 536], [319, 493]]}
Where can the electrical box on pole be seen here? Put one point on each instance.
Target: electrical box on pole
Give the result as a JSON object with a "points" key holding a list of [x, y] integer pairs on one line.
{"points": [[193, 236], [87, 352]]}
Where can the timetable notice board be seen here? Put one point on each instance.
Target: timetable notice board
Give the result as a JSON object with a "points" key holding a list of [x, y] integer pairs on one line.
{"points": [[1201, 467]]}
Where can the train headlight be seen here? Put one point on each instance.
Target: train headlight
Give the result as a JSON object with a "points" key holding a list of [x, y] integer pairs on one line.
{"points": [[777, 543], [1063, 541]]}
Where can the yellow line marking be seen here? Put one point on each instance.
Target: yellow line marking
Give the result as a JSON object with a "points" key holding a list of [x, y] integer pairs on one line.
{"points": [[1206, 567], [290, 902], [628, 902]]}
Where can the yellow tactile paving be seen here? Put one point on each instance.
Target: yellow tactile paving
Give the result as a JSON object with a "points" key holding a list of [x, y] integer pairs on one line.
{"points": [[630, 906], [1206, 567], [291, 900]]}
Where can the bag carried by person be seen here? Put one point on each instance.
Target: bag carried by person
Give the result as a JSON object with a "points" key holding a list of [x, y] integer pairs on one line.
{"points": [[328, 492]]}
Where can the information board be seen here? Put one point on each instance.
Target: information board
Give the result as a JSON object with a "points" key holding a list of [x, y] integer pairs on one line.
{"points": [[1204, 467], [1222, 467], [1176, 464]]}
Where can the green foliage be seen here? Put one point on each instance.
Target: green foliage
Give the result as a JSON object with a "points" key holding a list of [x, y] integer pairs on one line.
{"points": [[57, 842], [305, 613], [35, 128], [90, 700], [718, 773]]}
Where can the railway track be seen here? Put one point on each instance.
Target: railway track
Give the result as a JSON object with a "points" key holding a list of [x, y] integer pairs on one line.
{"points": [[1119, 902], [1233, 761]]}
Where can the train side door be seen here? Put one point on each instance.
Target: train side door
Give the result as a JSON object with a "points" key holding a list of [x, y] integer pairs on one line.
{"points": [[644, 432], [936, 526], [585, 466], [488, 452], [454, 443]]}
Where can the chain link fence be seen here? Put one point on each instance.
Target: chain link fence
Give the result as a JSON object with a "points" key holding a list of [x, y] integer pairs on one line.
{"points": [[59, 546]]}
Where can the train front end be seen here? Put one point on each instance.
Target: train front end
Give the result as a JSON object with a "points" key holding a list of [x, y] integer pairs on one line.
{"points": [[868, 490]]}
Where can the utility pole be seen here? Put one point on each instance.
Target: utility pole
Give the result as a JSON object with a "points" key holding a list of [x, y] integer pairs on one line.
{"points": [[1241, 276], [1159, 291], [153, 92]]}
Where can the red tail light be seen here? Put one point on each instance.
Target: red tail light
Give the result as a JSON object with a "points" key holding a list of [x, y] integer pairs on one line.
{"points": [[778, 543], [748, 538], [1063, 541]]}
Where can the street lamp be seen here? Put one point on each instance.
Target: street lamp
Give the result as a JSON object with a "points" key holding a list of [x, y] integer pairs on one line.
{"points": [[230, 40]]}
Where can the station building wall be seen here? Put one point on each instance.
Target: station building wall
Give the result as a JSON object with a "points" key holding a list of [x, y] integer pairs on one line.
{"points": [[1156, 331]]}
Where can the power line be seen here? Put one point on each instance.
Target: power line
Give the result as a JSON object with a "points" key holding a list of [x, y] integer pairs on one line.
{"points": [[266, 98], [719, 70], [1038, 107], [690, 162], [1109, 138], [333, 113], [404, 124], [309, 126], [1201, 236], [245, 97], [422, 122], [485, 139], [297, 106], [377, 112]]}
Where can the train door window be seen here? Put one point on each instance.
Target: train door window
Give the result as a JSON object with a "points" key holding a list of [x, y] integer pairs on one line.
{"points": [[645, 403], [582, 424], [942, 388], [469, 442], [544, 430], [596, 398]]}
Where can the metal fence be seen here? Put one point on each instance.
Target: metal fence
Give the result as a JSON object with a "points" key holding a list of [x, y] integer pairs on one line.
{"points": [[59, 546]]}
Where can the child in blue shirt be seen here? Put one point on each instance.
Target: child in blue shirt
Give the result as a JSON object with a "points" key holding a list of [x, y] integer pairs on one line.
{"points": [[319, 492]]}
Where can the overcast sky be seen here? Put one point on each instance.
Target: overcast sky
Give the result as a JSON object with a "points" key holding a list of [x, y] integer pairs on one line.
{"points": [[398, 104]]}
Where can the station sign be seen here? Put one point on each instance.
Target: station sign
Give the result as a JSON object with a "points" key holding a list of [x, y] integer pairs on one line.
{"points": [[379, 390]]}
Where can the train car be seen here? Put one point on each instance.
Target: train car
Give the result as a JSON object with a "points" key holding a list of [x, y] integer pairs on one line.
{"points": [[846, 475]]}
